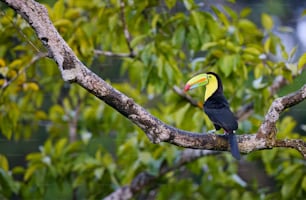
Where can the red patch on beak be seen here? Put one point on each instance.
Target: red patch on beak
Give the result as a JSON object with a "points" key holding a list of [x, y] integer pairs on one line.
{"points": [[186, 88]]}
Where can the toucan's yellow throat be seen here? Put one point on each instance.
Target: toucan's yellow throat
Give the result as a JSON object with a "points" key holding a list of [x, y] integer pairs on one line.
{"points": [[209, 80]]}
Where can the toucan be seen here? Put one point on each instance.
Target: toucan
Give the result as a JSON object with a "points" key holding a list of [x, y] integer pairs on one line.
{"points": [[216, 107]]}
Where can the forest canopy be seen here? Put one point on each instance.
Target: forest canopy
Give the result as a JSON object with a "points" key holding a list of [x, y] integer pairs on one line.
{"points": [[92, 103]]}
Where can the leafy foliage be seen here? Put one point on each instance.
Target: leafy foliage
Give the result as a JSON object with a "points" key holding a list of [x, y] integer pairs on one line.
{"points": [[90, 149]]}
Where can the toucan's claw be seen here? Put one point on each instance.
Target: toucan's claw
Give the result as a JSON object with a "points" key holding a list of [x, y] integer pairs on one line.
{"points": [[211, 131]]}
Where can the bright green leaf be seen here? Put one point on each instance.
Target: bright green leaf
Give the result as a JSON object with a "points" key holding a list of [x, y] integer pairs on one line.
{"points": [[59, 146], [245, 12], [228, 63], [170, 3], [302, 61], [304, 183], [267, 21], [59, 9], [189, 4], [4, 163]]}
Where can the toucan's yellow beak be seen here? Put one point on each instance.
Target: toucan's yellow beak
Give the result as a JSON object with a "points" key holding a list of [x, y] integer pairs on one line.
{"points": [[197, 81]]}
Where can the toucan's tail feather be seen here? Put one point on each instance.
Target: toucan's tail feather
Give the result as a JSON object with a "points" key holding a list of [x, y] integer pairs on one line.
{"points": [[234, 145]]}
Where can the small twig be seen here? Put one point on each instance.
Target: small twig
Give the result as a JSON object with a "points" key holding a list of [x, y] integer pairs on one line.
{"points": [[188, 98], [73, 120], [127, 35], [244, 111], [21, 71], [278, 83], [144, 179], [3, 14], [110, 53]]}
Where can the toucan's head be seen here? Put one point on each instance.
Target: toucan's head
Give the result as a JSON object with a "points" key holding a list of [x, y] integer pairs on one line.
{"points": [[210, 80]]}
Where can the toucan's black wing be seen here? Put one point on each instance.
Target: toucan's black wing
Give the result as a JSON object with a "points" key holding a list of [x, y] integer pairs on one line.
{"points": [[218, 111]]}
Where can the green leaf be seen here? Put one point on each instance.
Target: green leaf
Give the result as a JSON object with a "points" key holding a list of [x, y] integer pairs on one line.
{"points": [[290, 185], [302, 61], [48, 148], [208, 45], [34, 157], [292, 52], [99, 173], [290, 169], [137, 40], [6, 127], [31, 170], [113, 22], [267, 21], [231, 13], [189, 4], [73, 13], [59, 147], [198, 20], [245, 12], [4, 163], [227, 63], [252, 50], [8, 185], [145, 157], [18, 170], [170, 3], [63, 23], [180, 114], [221, 16], [179, 37], [293, 68], [304, 183], [59, 9]]}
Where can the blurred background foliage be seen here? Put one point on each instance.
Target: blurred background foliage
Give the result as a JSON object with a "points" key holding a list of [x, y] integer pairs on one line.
{"points": [[59, 142]]}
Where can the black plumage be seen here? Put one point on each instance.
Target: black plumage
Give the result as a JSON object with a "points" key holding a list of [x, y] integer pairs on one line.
{"points": [[217, 109]]}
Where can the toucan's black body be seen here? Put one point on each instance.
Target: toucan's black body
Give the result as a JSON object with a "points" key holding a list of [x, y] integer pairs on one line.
{"points": [[217, 109]]}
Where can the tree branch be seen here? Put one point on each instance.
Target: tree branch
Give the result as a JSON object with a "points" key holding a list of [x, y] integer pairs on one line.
{"points": [[299, 145], [267, 128], [144, 179], [74, 71]]}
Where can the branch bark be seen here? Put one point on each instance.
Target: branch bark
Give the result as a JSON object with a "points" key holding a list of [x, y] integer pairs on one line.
{"points": [[73, 70], [143, 179]]}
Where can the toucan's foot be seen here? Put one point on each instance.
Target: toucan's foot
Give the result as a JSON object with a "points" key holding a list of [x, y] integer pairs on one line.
{"points": [[211, 131], [227, 133]]}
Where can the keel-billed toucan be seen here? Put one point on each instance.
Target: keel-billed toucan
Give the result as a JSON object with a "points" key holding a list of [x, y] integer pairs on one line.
{"points": [[216, 106]]}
